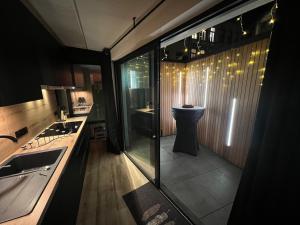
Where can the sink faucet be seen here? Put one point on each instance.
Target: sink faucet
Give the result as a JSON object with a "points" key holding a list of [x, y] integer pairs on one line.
{"points": [[9, 137], [5, 166]]}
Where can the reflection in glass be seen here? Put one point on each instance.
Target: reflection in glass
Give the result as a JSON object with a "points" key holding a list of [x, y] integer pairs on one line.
{"points": [[138, 112]]}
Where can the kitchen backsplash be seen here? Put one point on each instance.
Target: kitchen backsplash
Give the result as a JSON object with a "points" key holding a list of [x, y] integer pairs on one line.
{"points": [[85, 94], [36, 115]]}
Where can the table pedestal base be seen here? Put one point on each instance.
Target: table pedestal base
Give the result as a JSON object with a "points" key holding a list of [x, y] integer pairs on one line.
{"points": [[186, 124]]}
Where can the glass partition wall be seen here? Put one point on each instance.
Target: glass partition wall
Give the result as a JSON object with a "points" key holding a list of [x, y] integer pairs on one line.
{"points": [[218, 68], [138, 101]]}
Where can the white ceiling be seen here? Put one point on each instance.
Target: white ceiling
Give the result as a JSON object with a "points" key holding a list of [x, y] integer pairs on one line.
{"points": [[90, 24], [166, 17]]}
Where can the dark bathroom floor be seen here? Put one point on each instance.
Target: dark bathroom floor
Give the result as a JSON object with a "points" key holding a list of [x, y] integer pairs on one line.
{"points": [[205, 185]]}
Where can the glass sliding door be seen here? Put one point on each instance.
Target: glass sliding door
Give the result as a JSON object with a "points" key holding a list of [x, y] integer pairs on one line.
{"points": [[138, 101]]}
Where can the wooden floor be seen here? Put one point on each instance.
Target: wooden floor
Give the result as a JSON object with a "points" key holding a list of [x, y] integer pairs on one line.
{"points": [[108, 177]]}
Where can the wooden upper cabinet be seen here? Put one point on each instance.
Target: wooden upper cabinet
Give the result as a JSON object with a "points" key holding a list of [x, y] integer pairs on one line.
{"points": [[95, 77], [78, 76]]}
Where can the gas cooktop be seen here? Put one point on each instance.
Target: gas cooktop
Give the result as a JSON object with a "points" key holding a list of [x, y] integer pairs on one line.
{"points": [[61, 129]]}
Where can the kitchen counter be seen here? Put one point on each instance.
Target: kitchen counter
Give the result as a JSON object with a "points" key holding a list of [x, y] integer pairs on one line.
{"points": [[35, 217]]}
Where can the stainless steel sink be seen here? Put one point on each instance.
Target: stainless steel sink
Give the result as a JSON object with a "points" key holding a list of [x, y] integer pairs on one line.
{"points": [[23, 178]]}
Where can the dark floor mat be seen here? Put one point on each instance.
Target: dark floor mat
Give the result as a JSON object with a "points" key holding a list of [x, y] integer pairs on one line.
{"points": [[149, 207]]}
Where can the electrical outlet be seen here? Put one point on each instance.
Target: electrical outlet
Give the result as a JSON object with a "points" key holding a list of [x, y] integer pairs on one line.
{"points": [[21, 132]]}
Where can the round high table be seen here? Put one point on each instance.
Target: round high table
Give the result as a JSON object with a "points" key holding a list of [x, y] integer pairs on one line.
{"points": [[186, 125]]}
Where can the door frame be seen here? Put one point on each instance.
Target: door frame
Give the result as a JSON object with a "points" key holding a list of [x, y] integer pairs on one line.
{"points": [[155, 47]]}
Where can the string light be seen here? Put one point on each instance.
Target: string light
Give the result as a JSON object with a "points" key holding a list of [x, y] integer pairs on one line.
{"points": [[185, 48], [256, 53], [238, 72], [272, 20], [240, 19], [262, 69], [165, 55]]}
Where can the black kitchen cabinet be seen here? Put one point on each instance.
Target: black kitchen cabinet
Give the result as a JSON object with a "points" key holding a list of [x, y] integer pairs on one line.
{"points": [[64, 205], [55, 70], [29, 56], [20, 75], [142, 122]]}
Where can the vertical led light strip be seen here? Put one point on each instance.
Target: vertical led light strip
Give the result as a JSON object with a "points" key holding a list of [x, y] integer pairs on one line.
{"points": [[231, 121], [187, 89], [180, 92], [206, 85]]}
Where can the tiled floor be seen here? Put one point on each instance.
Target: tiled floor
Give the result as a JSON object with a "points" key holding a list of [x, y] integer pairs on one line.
{"points": [[205, 184]]}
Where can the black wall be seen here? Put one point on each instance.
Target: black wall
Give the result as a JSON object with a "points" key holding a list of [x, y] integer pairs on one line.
{"points": [[29, 55]]}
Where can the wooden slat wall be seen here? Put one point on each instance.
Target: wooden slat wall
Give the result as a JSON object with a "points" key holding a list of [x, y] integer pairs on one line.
{"points": [[36, 115], [236, 73], [171, 93]]}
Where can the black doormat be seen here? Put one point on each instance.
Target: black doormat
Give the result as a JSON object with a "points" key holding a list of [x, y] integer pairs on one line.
{"points": [[149, 207]]}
